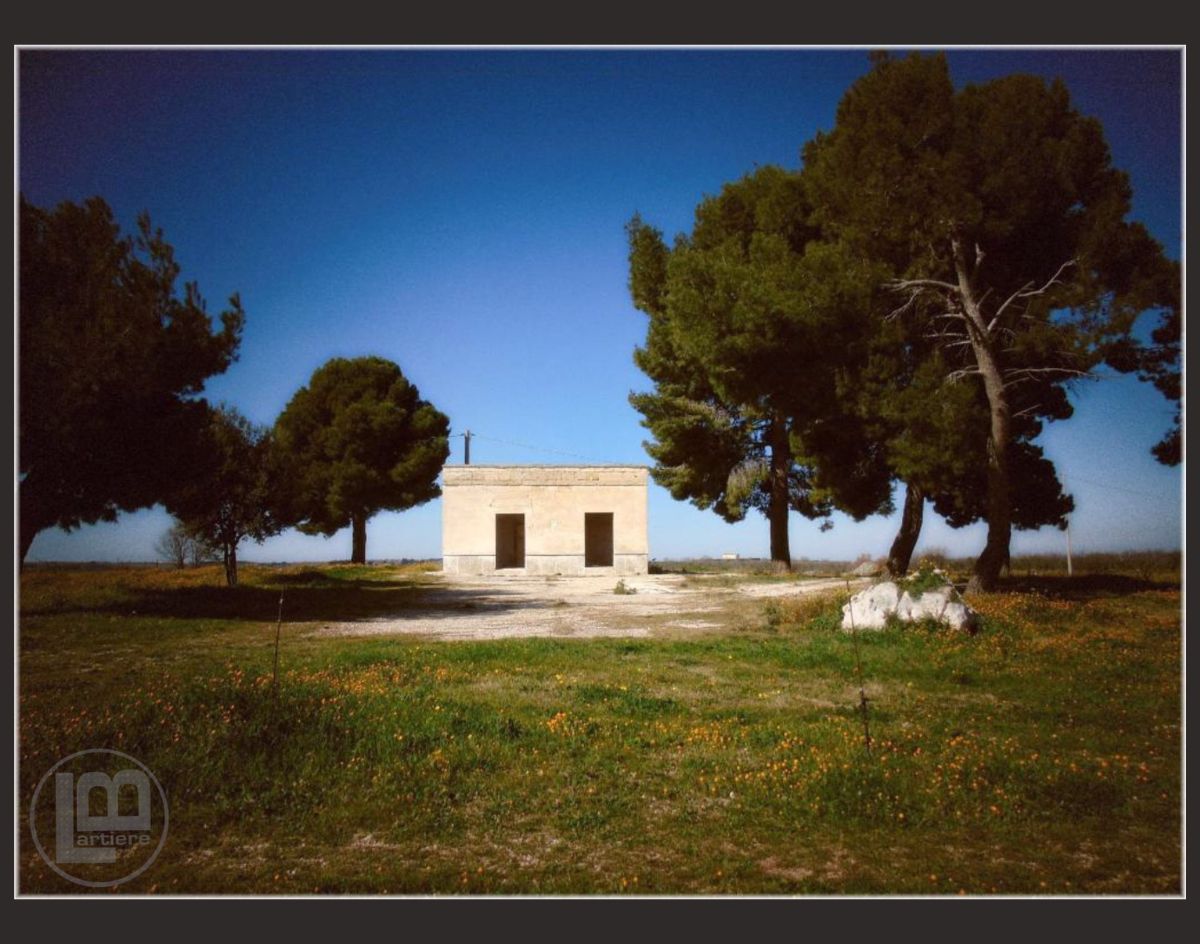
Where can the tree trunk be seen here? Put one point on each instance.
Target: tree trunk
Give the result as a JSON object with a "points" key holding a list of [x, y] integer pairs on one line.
{"points": [[231, 578], [358, 551], [999, 504], [900, 556], [999, 507], [781, 462]]}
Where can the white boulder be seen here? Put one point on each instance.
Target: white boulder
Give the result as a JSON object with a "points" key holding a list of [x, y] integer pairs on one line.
{"points": [[871, 608]]}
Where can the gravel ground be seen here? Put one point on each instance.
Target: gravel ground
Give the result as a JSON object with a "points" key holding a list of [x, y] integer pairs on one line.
{"points": [[581, 607]]}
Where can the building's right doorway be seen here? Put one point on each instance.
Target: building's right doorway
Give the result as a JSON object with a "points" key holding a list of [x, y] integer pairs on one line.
{"points": [[510, 541], [598, 539]]}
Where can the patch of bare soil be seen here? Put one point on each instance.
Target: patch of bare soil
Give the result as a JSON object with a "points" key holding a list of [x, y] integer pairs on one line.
{"points": [[504, 607]]}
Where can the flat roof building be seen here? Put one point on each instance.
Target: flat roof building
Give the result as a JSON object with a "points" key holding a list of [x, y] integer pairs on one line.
{"points": [[544, 519]]}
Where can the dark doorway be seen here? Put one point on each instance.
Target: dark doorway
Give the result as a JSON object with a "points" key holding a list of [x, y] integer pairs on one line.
{"points": [[598, 539], [510, 541]]}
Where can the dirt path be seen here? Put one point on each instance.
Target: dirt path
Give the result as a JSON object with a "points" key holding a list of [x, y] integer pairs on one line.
{"points": [[582, 607]]}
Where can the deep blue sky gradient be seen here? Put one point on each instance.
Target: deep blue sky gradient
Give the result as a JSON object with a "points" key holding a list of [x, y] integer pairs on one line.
{"points": [[462, 213]]}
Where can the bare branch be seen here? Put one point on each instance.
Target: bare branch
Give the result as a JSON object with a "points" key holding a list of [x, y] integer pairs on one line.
{"points": [[1015, 375], [1045, 370], [1028, 291], [1008, 301], [904, 285], [1053, 278], [900, 310]]}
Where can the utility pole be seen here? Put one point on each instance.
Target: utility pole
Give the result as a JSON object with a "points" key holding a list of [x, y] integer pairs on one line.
{"points": [[467, 448], [1070, 571]]}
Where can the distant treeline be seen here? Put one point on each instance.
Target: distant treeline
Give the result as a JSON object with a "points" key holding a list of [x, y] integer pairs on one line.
{"points": [[102, 565]]}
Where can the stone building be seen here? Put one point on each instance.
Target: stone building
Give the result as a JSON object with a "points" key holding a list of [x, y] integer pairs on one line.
{"points": [[544, 519]]}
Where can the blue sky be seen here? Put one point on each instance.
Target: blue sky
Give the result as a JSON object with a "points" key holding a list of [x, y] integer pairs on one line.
{"points": [[462, 213]]}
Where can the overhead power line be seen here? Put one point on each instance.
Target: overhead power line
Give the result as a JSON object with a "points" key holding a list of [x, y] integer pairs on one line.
{"points": [[518, 445], [575, 455], [1114, 488], [541, 449]]}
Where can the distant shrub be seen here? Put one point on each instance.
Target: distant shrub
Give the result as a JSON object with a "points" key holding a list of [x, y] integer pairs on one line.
{"points": [[937, 557], [811, 611], [1141, 565], [773, 614]]}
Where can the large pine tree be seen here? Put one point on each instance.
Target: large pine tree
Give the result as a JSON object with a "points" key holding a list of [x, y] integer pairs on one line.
{"points": [[998, 211], [358, 439], [750, 318], [112, 359]]}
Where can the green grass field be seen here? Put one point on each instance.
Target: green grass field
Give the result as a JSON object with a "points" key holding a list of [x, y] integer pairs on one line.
{"points": [[1041, 756]]}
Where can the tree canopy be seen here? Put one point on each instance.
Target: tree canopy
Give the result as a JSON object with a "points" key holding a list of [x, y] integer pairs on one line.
{"points": [[358, 439], [112, 361], [229, 495]]}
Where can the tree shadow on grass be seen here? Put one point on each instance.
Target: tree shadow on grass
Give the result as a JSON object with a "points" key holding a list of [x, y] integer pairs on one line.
{"points": [[308, 596], [1084, 587], [316, 579]]}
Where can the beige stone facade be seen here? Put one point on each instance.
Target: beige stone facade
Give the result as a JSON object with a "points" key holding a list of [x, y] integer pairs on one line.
{"points": [[544, 519]]}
